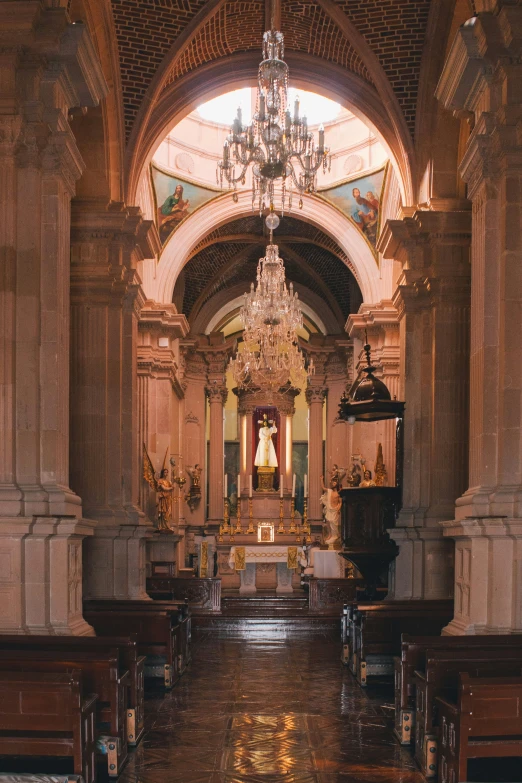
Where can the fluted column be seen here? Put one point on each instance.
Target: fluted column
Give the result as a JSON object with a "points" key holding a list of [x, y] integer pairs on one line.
{"points": [[481, 79], [47, 67], [315, 397], [217, 397]]}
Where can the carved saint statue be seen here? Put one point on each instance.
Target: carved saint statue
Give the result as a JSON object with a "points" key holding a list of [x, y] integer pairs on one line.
{"points": [[332, 503], [195, 475], [336, 476], [163, 488], [367, 480], [265, 454]]}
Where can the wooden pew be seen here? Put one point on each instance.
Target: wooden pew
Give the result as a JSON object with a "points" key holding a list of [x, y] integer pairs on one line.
{"points": [[100, 675], [45, 714], [377, 629], [440, 678], [157, 638], [484, 722], [181, 615], [129, 660], [412, 657]]}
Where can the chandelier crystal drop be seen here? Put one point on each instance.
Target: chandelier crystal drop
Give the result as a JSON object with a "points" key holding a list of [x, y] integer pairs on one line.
{"points": [[270, 358], [277, 144]]}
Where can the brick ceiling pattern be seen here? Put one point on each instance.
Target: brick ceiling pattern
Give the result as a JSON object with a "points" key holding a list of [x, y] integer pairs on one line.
{"points": [[322, 267], [146, 29], [396, 32], [239, 26]]}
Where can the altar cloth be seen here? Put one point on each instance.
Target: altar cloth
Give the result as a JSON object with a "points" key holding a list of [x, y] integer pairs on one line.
{"points": [[289, 555]]}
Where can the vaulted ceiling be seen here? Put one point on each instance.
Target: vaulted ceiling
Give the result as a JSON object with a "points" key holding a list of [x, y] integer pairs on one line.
{"points": [[395, 31], [229, 255]]}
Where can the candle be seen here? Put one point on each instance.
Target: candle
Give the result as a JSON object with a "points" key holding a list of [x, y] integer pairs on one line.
{"points": [[306, 486], [293, 486], [225, 152], [239, 485], [261, 107], [296, 109], [321, 137], [250, 486], [225, 493], [281, 486]]}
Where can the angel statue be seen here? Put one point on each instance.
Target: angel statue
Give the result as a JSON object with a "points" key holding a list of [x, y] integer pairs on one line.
{"points": [[163, 488], [331, 501], [265, 454]]}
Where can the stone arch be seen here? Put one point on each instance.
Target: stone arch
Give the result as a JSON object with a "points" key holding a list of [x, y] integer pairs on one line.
{"points": [[307, 72], [223, 209]]}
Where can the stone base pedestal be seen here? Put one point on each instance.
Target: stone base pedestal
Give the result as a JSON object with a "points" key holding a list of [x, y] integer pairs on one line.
{"points": [[423, 569], [115, 562], [488, 587], [41, 575], [284, 579], [248, 580], [163, 547], [265, 479]]}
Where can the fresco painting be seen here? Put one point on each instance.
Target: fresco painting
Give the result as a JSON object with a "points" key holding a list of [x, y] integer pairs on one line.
{"points": [[176, 199], [360, 198]]}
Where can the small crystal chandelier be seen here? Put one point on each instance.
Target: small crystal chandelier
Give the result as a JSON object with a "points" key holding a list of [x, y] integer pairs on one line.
{"points": [[271, 359], [277, 144]]}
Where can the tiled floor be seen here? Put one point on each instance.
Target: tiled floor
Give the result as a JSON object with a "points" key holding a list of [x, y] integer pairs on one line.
{"points": [[253, 711]]}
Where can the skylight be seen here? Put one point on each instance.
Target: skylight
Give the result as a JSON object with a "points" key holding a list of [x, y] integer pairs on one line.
{"points": [[223, 109]]}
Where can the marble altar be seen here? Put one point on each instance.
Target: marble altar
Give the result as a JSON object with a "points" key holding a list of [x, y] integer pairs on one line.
{"points": [[275, 553]]}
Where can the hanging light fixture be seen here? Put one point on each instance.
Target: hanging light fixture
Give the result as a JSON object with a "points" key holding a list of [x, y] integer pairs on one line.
{"points": [[270, 358], [277, 144]]}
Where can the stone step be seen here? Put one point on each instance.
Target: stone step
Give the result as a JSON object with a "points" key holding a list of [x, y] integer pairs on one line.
{"points": [[266, 627]]}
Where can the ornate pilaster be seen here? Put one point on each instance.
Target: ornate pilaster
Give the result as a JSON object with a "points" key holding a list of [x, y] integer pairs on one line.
{"points": [[481, 81], [217, 396], [106, 302], [47, 67], [432, 301]]}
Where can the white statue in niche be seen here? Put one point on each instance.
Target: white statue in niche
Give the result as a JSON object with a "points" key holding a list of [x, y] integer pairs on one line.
{"points": [[265, 454], [332, 503]]}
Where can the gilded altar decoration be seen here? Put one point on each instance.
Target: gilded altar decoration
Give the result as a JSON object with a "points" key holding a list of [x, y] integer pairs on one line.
{"points": [[291, 561], [193, 496], [381, 475], [203, 568], [163, 488], [265, 532], [239, 558]]}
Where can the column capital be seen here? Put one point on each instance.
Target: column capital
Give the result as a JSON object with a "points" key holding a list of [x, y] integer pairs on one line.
{"points": [[216, 393], [315, 395]]}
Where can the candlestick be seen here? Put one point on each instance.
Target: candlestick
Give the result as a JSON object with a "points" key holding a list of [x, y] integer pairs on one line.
{"points": [[306, 526], [293, 486], [281, 528], [292, 517], [250, 486], [225, 516], [250, 521], [238, 515]]}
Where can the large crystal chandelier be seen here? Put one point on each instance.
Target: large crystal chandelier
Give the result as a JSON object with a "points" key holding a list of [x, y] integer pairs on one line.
{"points": [[277, 144], [270, 358]]}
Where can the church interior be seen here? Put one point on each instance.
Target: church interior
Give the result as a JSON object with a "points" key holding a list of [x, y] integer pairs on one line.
{"points": [[260, 391]]}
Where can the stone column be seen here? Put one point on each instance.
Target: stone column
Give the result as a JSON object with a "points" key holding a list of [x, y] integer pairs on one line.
{"points": [[432, 300], [338, 432], [315, 397], [47, 67], [217, 397], [481, 81], [159, 415], [106, 459], [193, 412]]}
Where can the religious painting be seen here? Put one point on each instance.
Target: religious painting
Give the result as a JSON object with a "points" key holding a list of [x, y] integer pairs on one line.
{"points": [[360, 199], [176, 199]]}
